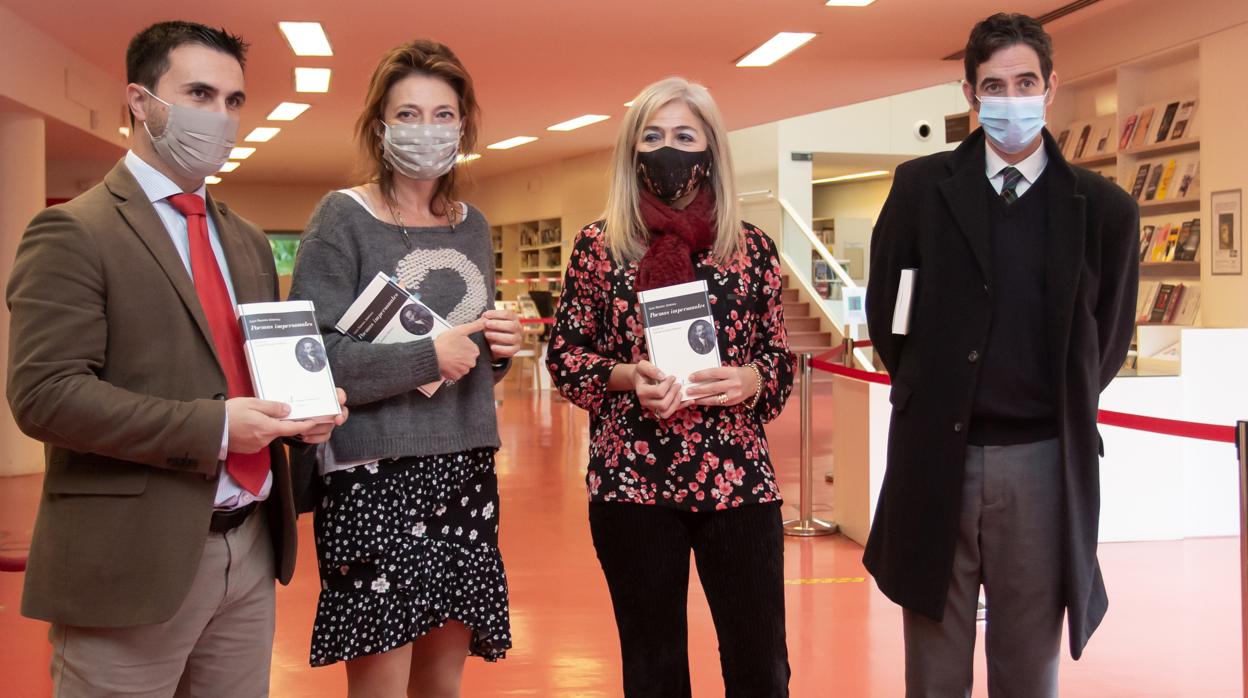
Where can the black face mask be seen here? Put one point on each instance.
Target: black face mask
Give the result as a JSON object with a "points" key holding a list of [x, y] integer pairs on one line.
{"points": [[670, 173]]}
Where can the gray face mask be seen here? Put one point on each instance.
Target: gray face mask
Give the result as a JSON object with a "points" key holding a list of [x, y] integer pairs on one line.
{"points": [[195, 143], [421, 151]]}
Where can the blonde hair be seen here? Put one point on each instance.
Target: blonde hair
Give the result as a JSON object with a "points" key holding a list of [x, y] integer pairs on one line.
{"points": [[625, 230]]}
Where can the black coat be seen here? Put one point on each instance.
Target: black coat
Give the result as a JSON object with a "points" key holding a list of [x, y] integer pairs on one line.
{"points": [[936, 219]]}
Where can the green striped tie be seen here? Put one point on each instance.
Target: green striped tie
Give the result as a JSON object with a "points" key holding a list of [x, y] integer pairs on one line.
{"points": [[1012, 178]]}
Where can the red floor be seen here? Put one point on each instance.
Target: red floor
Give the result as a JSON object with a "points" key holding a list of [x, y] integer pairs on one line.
{"points": [[1172, 628]]}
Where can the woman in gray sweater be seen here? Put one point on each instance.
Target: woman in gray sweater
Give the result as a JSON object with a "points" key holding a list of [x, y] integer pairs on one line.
{"points": [[407, 519]]}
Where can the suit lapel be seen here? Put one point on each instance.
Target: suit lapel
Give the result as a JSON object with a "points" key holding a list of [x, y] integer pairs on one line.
{"points": [[141, 216], [1065, 251], [964, 194]]}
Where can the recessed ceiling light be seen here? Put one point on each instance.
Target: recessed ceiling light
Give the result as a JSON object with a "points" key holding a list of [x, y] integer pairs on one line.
{"points": [[241, 153], [230, 166], [578, 122], [312, 79], [124, 131], [262, 134], [287, 111], [212, 179], [306, 38], [511, 143], [461, 159], [849, 3], [629, 103], [851, 177], [774, 49]]}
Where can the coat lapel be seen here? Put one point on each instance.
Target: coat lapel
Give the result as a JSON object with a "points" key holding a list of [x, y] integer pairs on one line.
{"points": [[1065, 252], [964, 194], [142, 218]]}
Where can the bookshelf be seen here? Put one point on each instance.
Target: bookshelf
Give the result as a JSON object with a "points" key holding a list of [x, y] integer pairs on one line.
{"points": [[529, 249]]}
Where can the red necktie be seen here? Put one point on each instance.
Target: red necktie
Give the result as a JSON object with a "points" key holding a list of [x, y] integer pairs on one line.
{"points": [[248, 469]]}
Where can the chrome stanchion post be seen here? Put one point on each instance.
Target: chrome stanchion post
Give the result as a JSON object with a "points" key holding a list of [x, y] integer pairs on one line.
{"points": [[1241, 448], [807, 524]]}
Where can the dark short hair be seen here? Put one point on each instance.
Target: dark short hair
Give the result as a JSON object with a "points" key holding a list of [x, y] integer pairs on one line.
{"points": [[147, 57], [1003, 30]]}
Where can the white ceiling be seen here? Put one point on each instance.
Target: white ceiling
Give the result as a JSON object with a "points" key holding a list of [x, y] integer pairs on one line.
{"points": [[541, 62]]}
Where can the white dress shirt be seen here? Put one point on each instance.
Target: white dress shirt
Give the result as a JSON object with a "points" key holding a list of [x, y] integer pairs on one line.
{"points": [[1030, 168], [158, 188]]}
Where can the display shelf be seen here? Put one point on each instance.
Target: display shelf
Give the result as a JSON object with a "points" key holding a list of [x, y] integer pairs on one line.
{"points": [[1178, 146], [1191, 202], [1170, 269]]}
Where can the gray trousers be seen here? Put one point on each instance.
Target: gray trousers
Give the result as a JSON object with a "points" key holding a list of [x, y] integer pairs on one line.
{"points": [[1010, 541]]}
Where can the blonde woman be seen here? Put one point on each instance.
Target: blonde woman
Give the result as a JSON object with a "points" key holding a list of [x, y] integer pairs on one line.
{"points": [[666, 476]]}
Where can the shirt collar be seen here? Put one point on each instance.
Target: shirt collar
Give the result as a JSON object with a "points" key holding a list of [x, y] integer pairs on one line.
{"points": [[1030, 168], [153, 182]]}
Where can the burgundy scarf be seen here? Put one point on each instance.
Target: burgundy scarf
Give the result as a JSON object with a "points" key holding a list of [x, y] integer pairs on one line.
{"points": [[675, 236]]}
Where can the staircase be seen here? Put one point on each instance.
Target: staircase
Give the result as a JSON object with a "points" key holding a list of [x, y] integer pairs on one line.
{"points": [[805, 335]]}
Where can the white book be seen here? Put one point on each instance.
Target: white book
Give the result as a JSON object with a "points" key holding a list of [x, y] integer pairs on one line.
{"points": [[905, 299], [385, 313], [680, 330], [286, 358], [1189, 304]]}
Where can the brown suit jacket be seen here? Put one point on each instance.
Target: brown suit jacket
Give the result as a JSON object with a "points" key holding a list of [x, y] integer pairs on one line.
{"points": [[112, 366]]}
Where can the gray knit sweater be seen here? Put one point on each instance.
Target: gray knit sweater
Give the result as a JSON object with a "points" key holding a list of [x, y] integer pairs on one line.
{"points": [[342, 249]]}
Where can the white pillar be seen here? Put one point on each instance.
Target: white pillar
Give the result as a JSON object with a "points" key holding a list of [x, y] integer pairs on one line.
{"points": [[23, 192]]}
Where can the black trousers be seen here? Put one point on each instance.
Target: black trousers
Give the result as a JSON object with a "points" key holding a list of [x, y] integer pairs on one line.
{"points": [[644, 553]]}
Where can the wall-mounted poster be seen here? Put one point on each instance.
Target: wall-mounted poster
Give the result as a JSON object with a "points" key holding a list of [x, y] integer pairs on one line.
{"points": [[1228, 232]]}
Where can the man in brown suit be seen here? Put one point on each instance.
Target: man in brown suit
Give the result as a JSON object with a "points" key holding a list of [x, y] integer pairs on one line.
{"points": [[167, 506]]}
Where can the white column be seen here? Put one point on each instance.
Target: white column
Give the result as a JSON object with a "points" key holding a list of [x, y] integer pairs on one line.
{"points": [[23, 191]]}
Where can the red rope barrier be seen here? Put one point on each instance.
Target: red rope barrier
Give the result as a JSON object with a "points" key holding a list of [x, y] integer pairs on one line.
{"points": [[1155, 425]]}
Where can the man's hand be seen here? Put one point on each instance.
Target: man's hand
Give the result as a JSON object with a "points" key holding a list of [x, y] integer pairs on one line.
{"points": [[457, 354], [254, 423], [321, 432]]}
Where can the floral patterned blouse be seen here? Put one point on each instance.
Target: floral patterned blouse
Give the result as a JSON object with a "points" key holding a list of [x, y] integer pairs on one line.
{"points": [[700, 458]]}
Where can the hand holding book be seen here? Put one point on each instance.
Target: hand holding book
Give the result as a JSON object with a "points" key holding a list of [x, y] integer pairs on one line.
{"points": [[656, 391], [723, 387], [456, 352]]}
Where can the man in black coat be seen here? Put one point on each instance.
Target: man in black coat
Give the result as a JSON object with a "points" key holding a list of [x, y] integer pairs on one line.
{"points": [[1023, 307]]}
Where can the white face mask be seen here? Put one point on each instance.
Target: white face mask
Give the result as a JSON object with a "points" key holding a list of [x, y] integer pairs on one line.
{"points": [[1012, 122], [421, 151], [195, 143]]}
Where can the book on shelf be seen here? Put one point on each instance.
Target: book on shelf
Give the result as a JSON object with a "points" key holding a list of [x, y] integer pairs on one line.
{"points": [[1141, 176], [680, 330], [1148, 296], [1166, 176], [1146, 241], [1172, 305], [1102, 143], [1083, 141], [1182, 120], [1158, 251], [1180, 241], [1165, 293], [1128, 130], [1188, 306], [1142, 126], [385, 313], [1167, 118], [1172, 242], [286, 358], [1189, 249], [1154, 180], [1062, 139], [1190, 172]]}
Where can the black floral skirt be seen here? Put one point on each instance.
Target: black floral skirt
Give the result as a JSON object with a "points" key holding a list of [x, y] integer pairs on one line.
{"points": [[403, 547]]}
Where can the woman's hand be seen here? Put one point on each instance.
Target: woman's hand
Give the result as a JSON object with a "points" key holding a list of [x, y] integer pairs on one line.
{"points": [[723, 386], [456, 351], [503, 333], [658, 393]]}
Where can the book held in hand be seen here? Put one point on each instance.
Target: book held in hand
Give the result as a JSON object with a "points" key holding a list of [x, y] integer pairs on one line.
{"points": [[286, 358], [680, 330], [385, 313], [903, 307]]}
